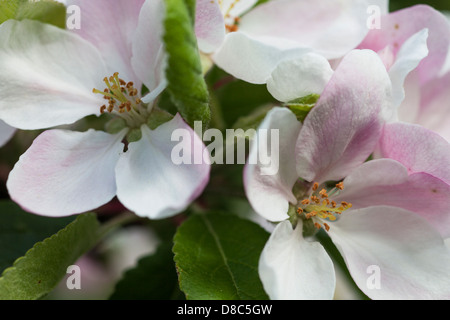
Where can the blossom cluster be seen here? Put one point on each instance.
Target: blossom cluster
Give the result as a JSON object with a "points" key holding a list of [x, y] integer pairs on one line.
{"points": [[361, 117]]}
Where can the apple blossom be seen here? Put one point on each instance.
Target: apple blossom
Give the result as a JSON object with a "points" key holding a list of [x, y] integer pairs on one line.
{"points": [[391, 213], [51, 77], [249, 43], [403, 50]]}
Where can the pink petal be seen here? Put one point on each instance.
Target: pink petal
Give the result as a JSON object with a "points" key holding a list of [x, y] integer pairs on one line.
{"points": [[401, 248], [150, 183], [417, 148], [66, 172], [110, 25], [434, 111], [343, 128], [386, 182], [270, 194], [398, 26], [209, 25]]}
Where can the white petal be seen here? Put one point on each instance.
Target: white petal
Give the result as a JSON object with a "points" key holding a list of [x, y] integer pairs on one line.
{"points": [[269, 193], [150, 183], [329, 27], [392, 253], [253, 60], [6, 133], [66, 172], [293, 268], [148, 53], [47, 76], [408, 58], [297, 78]]}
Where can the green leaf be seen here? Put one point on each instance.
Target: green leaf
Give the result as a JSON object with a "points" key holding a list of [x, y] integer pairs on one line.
{"points": [[42, 268], [302, 106], [20, 230], [46, 11], [217, 255], [184, 74], [236, 98], [154, 278]]}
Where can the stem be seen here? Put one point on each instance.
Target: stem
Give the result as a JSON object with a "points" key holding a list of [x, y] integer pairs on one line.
{"points": [[117, 222]]}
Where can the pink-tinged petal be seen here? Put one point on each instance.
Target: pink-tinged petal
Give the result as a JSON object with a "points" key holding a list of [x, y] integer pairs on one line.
{"points": [[434, 112], [293, 79], [6, 133], [209, 25], [270, 191], [399, 26], [386, 182], [110, 26], [253, 60], [341, 131], [148, 59], [417, 148], [66, 172], [331, 28], [409, 109], [47, 76], [408, 58], [150, 182], [293, 268], [392, 253]]}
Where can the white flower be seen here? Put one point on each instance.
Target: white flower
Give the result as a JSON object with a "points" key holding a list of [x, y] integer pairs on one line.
{"points": [[51, 77]]}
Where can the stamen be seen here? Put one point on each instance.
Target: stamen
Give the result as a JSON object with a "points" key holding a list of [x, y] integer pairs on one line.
{"points": [[315, 186], [323, 193], [123, 100], [315, 199], [322, 208]]}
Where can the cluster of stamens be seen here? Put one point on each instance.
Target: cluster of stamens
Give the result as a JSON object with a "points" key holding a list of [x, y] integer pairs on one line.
{"points": [[320, 206], [122, 99]]}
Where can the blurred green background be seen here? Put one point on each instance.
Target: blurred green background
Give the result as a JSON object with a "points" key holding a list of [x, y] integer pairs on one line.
{"points": [[437, 4]]}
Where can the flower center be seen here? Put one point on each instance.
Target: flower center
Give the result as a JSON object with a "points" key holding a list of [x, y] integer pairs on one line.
{"points": [[319, 208], [123, 100]]}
